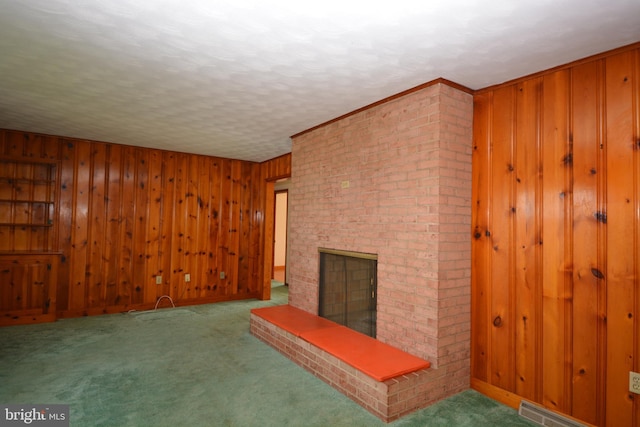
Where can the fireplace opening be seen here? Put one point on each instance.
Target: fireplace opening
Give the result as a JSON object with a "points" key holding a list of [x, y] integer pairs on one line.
{"points": [[348, 289]]}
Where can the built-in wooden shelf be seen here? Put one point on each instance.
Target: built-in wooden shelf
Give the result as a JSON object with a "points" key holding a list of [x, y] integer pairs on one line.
{"points": [[28, 266], [24, 224], [29, 199], [32, 160], [48, 202]]}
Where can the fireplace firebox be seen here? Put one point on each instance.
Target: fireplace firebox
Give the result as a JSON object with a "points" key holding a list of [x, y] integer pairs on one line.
{"points": [[348, 289]]}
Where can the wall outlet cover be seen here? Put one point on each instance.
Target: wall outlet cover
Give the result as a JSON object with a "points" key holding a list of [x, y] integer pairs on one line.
{"points": [[634, 382]]}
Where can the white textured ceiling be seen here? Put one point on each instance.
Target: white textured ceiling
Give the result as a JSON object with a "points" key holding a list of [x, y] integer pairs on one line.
{"points": [[236, 78]]}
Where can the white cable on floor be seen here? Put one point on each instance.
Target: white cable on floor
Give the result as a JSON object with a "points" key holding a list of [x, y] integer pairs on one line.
{"points": [[157, 302], [160, 299]]}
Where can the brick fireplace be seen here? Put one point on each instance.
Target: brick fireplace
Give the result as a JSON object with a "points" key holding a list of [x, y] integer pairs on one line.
{"points": [[394, 179]]}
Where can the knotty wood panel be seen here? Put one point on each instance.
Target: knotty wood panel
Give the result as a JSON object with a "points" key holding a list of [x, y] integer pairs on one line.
{"points": [[154, 225], [620, 273], [113, 222], [527, 229], [556, 286], [588, 292], [27, 287], [501, 231], [78, 257], [556, 291], [481, 244], [125, 215], [95, 268]]}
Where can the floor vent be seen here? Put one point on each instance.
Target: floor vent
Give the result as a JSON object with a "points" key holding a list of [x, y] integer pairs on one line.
{"points": [[544, 417]]}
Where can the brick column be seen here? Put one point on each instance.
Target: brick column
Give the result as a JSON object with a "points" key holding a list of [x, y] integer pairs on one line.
{"points": [[394, 180]]}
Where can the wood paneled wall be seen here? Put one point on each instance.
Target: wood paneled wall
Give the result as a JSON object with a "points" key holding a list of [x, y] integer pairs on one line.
{"points": [[556, 238], [126, 215]]}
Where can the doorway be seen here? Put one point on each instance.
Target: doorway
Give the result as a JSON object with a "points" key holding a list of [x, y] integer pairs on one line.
{"points": [[279, 269]]}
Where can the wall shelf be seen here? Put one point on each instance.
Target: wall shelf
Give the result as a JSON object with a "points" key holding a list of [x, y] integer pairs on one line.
{"points": [[29, 199], [28, 261]]}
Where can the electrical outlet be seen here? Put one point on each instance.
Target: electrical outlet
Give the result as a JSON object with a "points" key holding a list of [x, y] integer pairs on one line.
{"points": [[634, 382], [222, 275], [187, 277], [158, 280]]}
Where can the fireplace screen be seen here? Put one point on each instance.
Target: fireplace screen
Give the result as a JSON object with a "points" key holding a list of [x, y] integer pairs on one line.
{"points": [[348, 288]]}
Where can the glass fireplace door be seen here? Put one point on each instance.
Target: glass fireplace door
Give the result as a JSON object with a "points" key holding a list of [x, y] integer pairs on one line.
{"points": [[348, 288]]}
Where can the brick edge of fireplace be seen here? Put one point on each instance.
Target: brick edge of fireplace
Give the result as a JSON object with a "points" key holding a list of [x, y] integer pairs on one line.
{"points": [[388, 400]]}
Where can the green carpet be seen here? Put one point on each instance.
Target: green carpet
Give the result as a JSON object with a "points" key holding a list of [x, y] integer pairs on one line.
{"points": [[191, 366]]}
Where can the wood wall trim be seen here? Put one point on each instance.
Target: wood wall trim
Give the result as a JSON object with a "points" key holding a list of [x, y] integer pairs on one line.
{"points": [[388, 99], [73, 139], [496, 393], [568, 65]]}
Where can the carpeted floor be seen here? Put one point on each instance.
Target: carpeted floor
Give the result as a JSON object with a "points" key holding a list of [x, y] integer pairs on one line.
{"points": [[191, 366]]}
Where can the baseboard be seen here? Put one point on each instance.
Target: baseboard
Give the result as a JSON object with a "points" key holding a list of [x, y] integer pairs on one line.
{"points": [[510, 399], [496, 393]]}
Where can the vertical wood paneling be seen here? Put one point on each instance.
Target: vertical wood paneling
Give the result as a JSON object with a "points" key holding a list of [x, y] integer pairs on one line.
{"points": [[80, 227], [587, 287], [127, 219], [215, 177], [480, 244], [112, 243], [154, 228], [234, 227], [167, 218], [125, 215], [620, 270], [225, 226], [65, 216], [37, 274], [256, 224], [18, 289], [527, 238], [556, 274], [203, 275], [256, 218], [244, 228], [636, 184], [557, 310], [97, 227], [502, 221], [5, 291], [27, 294], [277, 168], [191, 227], [141, 218], [179, 228]]}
